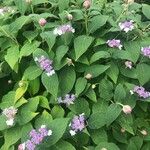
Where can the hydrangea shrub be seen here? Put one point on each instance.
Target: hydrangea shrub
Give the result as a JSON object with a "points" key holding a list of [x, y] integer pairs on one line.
{"points": [[74, 74]]}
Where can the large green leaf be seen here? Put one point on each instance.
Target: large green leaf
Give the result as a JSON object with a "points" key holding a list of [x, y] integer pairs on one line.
{"points": [[21, 5], [29, 48], [112, 113], [81, 44], [32, 72], [67, 77], [62, 145], [96, 22], [120, 93], [51, 83], [145, 10], [98, 55], [143, 73], [108, 146], [11, 137], [12, 57], [49, 37], [96, 70], [58, 127], [80, 85]]}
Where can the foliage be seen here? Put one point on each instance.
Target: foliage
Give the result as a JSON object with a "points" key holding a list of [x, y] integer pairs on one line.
{"points": [[102, 77]]}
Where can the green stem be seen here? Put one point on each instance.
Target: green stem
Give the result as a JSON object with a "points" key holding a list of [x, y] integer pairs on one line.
{"points": [[86, 22]]}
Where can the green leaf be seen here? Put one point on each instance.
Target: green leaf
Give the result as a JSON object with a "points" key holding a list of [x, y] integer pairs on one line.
{"points": [[145, 10], [25, 132], [126, 122], [58, 127], [106, 89], [135, 143], [51, 83], [44, 102], [11, 137], [27, 111], [18, 24], [49, 37], [98, 135], [44, 119], [80, 86], [143, 73], [98, 55], [12, 57], [67, 77], [29, 48], [8, 100], [108, 146], [80, 106], [62, 145], [134, 48], [57, 112], [112, 113], [21, 6], [81, 44], [113, 72], [96, 22], [32, 72], [63, 5], [34, 86], [97, 120], [3, 124], [21, 90], [60, 52], [91, 95], [96, 70], [120, 93]]}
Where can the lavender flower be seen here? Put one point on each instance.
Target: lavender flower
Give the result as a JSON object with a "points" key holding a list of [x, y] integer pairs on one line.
{"points": [[6, 10], [68, 99], [114, 43], [77, 124], [36, 137], [10, 115], [63, 29], [141, 92], [126, 26], [128, 64], [146, 51], [45, 65], [29, 145]]}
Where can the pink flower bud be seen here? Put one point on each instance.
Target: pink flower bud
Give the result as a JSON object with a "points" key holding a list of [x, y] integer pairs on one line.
{"points": [[144, 132], [42, 22], [87, 4], [21, 146], [127, 109], [88, 76], [69, 17]]}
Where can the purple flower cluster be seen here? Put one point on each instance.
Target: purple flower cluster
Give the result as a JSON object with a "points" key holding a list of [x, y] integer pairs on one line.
{"points": [[45, 65], [68, 99], [141, 92], [146, 51], [63, 29], [36, 138], [126, 25], [77, 124], [114, 43]]}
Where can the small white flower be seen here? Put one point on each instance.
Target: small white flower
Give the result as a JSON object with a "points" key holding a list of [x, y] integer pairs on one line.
{"points": [[50, 73], [49, 132], [10, 122], [131, 92], [72, 132], [43, 126]]}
